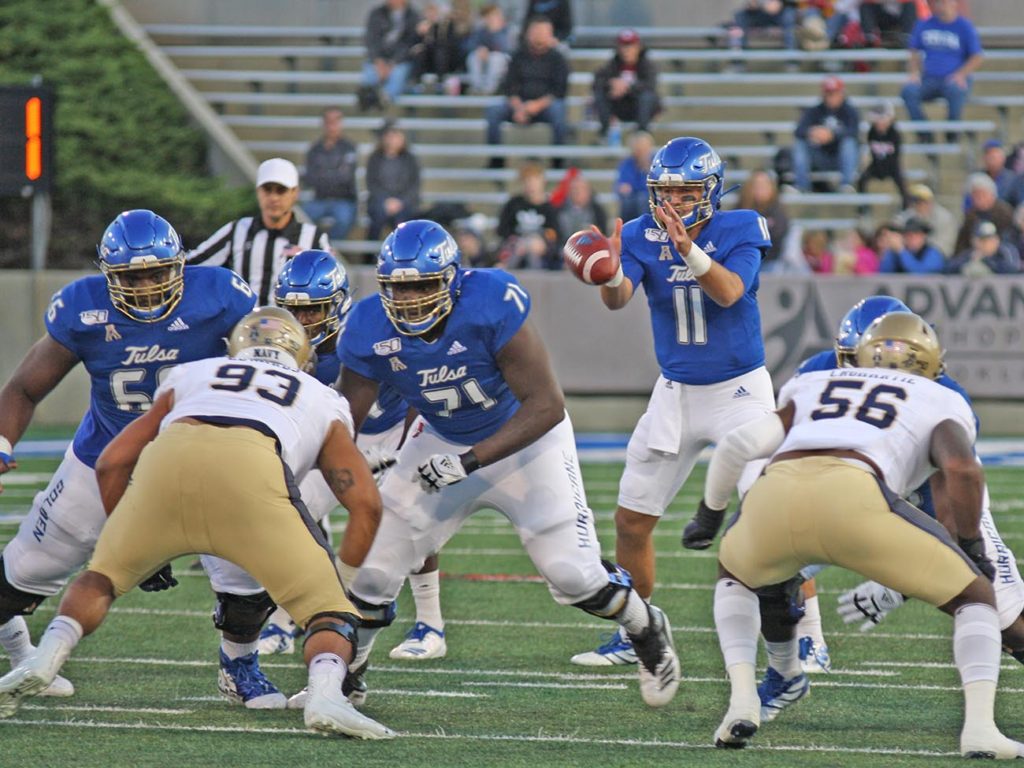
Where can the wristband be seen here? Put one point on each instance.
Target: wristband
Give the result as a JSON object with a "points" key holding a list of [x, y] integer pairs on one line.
{"points": [[617, 279], [469, 461], [6, 450], [698, 261], [346, 572]]}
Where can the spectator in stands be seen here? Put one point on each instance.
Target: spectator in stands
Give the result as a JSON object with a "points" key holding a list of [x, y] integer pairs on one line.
{"points": [[988, 254], [762, 14], [626, 88], [918, 256], [1016, 236], [854, 256], [580, 209], [471, 244], [631, 177], [887, 22], [923, 206], [760, 193], [390, 38], [488, 46], [984, 206], [827, 138], [815, 246], [844, 12], [331, 164], [535, 88], [558, 12], [441, 53], [528, 225], [993, 162], [884, 142], [392, 181], [945, 51]]}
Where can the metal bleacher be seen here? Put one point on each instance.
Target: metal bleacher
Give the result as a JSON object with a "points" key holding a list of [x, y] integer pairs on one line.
{"points": [[269, 84]]}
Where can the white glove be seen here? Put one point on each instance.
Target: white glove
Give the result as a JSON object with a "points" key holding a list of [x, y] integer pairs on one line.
{"points": [[443, 469], [870, 601], [379, 460]]}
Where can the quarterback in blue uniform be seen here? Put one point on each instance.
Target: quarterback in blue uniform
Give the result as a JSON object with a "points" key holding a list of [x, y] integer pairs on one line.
{"points": [[492, 432], [129, 326], [699, 269]]}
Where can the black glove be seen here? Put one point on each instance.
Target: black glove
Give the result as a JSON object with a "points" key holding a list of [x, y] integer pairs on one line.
{"points": [[159, 581], [701, 531], [975, 550]]}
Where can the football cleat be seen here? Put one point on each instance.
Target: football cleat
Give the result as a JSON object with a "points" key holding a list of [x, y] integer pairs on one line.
{"points": [[776, 693], [814, 656], [241, 680], [327, 711], [421, 642], [353, 687], [60, 688], [275, 638], [659, 666], [737, 729], [618, 649], [25, 680], [989, 744]]}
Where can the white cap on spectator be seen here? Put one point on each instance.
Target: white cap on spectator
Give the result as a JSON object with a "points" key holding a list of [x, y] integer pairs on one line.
{"points": [[277, 170], [981, 181]]}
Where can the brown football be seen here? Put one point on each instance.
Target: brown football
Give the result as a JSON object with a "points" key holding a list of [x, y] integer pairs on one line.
{"points": [[588, 255]]}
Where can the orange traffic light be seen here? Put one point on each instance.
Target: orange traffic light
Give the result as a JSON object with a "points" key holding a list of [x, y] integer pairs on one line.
{"points": [[33, 138]]}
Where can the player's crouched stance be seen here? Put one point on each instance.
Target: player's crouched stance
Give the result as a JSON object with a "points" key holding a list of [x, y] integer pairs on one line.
{"points": [[816, 504], [492, 433], [211, 467]]}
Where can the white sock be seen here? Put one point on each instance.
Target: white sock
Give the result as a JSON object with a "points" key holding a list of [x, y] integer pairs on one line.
{"points": [[426, 592], [328, 664], [15, 639], [64, 629], [784, 657], [810, 624], [634, 617], [738, 623], [977, 646], [235, 650], [56, 645]]}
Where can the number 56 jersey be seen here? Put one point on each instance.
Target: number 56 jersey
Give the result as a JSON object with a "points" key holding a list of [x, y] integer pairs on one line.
{"points": [[886, 415], [126, 358]]}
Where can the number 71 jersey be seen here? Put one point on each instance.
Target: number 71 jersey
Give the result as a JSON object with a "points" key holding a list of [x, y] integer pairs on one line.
{"points": [[454, 381], [884, 414]]}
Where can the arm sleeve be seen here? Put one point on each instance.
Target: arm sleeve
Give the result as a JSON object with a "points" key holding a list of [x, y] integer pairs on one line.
{"points": [[756, 439], [561, 80], [972, 41], [513, 83], [807, 119], [632, 267], [215, 250], [59, 317]]}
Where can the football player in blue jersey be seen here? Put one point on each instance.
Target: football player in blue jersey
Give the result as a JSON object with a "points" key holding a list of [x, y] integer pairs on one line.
{"points": [[146, 313], [492, 432], [699, 268]]}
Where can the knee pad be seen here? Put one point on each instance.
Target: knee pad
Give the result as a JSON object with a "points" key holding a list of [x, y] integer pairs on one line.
{"points": [[344, 624], [609, 601], [242, 614], [14, 602], [375, 616], [782, 605]]}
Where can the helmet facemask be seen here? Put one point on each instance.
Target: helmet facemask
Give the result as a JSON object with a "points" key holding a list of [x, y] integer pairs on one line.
{"points": [[327, 310], [148, 288], [692, 200], [415, 302]]}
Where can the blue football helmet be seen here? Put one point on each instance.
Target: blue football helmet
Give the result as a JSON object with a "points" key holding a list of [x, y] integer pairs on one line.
{"points": [[314, 282], [857, 320], [142, 258], [419, 272], [691, 165]]}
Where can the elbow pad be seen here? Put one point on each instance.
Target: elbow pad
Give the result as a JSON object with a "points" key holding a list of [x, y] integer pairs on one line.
{"points": [[757, 439]]}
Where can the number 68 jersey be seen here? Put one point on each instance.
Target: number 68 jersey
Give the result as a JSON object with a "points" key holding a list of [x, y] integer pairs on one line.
{"points": [[293, 405], [886, 415]]}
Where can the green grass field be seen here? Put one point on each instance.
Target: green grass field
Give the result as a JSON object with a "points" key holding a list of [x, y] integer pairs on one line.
{"points": [[506, 694]]}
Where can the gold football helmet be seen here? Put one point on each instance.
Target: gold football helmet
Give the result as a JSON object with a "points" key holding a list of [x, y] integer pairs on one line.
{"points": [[264, 333], [901, 340]]}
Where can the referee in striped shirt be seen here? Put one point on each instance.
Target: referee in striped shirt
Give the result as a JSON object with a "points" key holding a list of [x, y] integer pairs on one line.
{"points": [[256, 247]]}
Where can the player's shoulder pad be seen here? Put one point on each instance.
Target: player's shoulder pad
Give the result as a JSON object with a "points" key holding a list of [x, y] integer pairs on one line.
{"points": [[225, 284], [492, 294], [746, 226], [822, 361], [84, 301], [950, 383], [363, 326], [643, 229]]}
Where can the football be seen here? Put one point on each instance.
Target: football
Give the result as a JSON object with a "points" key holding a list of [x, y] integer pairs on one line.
{"points": [[588, 255]]}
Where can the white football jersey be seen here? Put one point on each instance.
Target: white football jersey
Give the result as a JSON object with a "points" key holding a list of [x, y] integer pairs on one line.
{"points": [[296, 407], [884, 414]]}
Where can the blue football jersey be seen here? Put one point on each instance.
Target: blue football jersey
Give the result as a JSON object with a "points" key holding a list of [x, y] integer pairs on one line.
{"points": [[695, 340], [388, 410], [826, 361], [125, 358], [454, 381]]}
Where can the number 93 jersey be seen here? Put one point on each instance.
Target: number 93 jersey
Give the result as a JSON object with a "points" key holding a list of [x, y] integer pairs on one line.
{"points": [[126, 359], [454, 381], [296, 407], [697, 341], [888, 416]]}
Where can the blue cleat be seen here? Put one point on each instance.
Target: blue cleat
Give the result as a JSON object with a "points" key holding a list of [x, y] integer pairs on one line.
{"points": [[421, 642], [776, 693], [617, 649], [241, 680], [814, 656]]}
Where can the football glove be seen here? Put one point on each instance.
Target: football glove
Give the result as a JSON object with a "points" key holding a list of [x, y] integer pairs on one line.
{"points": [[442, 470], [700, 532], [870, 601], [975, 550], [159, 581]]}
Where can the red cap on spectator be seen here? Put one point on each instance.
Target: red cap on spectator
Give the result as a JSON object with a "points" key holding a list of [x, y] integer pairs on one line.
{"points": [[628, 37], [831, 84]]}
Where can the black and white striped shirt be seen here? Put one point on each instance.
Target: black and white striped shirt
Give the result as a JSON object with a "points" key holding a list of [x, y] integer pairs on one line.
{"points": [[256, 252]]}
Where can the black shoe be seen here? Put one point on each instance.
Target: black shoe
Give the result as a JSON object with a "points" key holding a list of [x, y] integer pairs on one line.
{"points": [[354, 686]]}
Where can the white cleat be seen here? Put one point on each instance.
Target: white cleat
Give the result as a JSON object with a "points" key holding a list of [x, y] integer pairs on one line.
{"points": [[988, 745], [737, 728], [275, 638], [60, 688], [422, 642], [659, 665], [327, 711], [617, 650], [22, 681]]}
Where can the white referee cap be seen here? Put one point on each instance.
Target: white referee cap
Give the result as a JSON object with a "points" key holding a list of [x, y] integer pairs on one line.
{"points": [[277, 170]]}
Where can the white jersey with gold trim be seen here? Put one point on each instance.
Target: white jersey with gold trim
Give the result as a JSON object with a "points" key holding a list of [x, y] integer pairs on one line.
{"points": [[886, 415]]}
